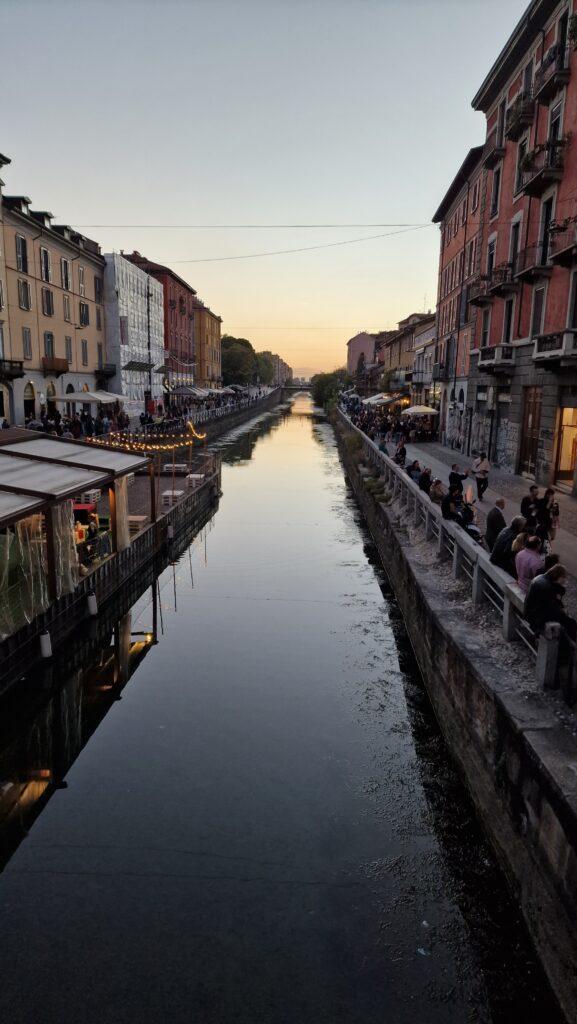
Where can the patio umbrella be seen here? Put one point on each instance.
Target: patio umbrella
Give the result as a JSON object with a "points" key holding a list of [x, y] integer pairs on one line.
{"points": [[420, 410]]}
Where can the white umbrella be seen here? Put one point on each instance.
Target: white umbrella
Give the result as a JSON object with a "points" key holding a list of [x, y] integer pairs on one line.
{"points": [[420, 410], [374, 399]]}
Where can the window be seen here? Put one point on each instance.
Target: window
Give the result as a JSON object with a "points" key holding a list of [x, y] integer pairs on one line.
{"points": [[68, 349], [491, 249], [495, 195], [508, 321], [475, 197], [98, 318], [84, 348], [66, 304], [546, 220], [84, 314], [27, 342], [538, 313], [528, 78], [555, 121], [464, 211], [485, 328], [1, 293], [514, 244], [24, 294], [47, 302], [100, 353], [98, 289], [21, 254], [522, 150], [45, 265], [49, 344], [65, 274], [1, 341], [81, 287]]}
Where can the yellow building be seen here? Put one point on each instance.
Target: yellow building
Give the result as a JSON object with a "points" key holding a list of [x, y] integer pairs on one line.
{"points": [[207, 332], [51, 297]]}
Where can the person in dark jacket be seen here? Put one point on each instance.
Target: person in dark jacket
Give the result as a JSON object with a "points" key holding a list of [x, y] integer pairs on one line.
{"points": [[544, 602], [502, 554], [495, 523], [451, 506], [529, 508], [425, 480], [456, 477]]}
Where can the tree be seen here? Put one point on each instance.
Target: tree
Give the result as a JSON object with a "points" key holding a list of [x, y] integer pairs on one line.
{"points": [[238, 360], [326, 386], [264, 367]]}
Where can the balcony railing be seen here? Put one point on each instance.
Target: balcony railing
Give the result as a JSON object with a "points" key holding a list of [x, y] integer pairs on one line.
{"points": [[479, 291], [422, 377], [442, 371], [560, 346], [502, 279], [11, 369], [542, 166], [496, 358], [494, 148], [563, 246], [555, 72], [53, 366], [106, 370], [520, 115], [533, 262]]}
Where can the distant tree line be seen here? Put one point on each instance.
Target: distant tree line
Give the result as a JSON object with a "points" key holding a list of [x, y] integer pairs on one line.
{"points": [[326, 386], [242, 365]]}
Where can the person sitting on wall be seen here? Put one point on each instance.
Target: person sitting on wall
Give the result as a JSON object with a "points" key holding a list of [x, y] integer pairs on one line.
{"points": [[425, 480], [495, 523], [451, 505], [528, 562], [437, 491], [414, 471], [544, 602], [502, 554]]}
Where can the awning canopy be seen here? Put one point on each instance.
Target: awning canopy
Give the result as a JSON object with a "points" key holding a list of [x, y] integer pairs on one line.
{"points": [[14, 506], [90, 397], [138, 364]]}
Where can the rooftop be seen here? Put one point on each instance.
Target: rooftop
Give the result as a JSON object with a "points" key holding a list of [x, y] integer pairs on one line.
{"points": [[533, 21], [469, 164]]}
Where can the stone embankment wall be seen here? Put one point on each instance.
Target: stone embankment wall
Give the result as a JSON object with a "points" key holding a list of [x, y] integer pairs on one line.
{"points": [[516, 751], [215, 428]]}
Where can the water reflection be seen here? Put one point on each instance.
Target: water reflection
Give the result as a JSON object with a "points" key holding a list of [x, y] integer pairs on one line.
{"points": [[267, 827]]}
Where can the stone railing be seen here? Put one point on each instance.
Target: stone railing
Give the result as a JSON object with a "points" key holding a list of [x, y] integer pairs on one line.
{"points": [[489, 585]]}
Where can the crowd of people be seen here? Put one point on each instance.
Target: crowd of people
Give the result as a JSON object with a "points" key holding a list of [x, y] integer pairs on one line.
{"points": [[522, 548], [77, 425]]}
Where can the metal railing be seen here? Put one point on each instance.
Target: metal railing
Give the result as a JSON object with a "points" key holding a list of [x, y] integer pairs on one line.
{"points": [[489, 585]]}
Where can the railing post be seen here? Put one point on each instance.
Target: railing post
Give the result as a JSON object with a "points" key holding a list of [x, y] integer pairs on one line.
{"points": [[508, 618], [457, 560], [428, 524], [548, 655], [477, 590], [417, 519], [441, 552]]}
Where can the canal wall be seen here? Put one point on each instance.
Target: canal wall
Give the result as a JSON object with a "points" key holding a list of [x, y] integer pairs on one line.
{"points": [[124, 571], [215, 428], [516, 755]]}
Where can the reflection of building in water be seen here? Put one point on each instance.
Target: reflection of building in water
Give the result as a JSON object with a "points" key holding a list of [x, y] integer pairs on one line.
{"points": [[44, 732]]}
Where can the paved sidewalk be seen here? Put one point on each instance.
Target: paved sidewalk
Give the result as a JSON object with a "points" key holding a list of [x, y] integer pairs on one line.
{"points": [[511, 488]]}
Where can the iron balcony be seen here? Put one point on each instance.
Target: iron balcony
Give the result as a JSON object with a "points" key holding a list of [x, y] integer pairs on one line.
{"points": [[563, 246], [554, 73], [106, 370], [542, 167], [11, 369], [502, 280], [480, 291], [54, 366], [442, 372], [532, 263], [520, 115], [494, 149]]}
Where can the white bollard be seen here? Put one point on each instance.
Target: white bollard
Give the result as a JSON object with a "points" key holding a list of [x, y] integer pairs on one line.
{"points": [[92, 603], [45, 645]]}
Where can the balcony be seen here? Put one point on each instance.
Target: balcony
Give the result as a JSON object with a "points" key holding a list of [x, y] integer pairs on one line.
{"points": [[496, 358], [53, 366], [11, 369], [520, 116], [480, 291], [421, 377], [563, 246], [533, 263], [106, 370], [542, 167], [502, 280], [554, 350], [554, 73], [494, 149], [441, 372]]}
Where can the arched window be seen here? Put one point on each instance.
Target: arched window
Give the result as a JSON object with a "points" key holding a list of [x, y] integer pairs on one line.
{"points": [[29, 400]]}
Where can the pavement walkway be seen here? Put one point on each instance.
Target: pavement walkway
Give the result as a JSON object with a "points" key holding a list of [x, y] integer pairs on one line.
{"points": [[511, 488]]}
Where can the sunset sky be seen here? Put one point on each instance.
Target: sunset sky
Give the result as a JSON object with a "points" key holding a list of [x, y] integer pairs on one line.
{"points": [[286, 112]]}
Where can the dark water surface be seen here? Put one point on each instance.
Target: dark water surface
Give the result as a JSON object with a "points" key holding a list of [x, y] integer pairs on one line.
{"points": [[266, 828]]}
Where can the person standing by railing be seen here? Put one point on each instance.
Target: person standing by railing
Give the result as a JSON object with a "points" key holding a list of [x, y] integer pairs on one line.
{"points": [[481, 468]]}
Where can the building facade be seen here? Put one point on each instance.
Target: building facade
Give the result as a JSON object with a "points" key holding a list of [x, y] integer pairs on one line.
{"points": [[459, 218], [207, 326], [523, 389], [425, 391], [395, 354], [134, 307], [362, 360], [179, 324], [53, 330]]}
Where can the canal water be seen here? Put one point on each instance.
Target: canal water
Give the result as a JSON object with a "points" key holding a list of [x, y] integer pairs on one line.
{"points": [[266, 828]]}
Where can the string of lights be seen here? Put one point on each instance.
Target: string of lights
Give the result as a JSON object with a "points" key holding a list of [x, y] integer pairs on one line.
{"points": [[128, 441]]}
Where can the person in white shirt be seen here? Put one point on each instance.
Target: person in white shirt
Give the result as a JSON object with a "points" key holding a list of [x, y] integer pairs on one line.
{"points": [[481, 467]]}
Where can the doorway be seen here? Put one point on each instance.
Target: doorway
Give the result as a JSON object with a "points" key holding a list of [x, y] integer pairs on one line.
{"points": [[29, 401], [530, 434], [567, 457]]}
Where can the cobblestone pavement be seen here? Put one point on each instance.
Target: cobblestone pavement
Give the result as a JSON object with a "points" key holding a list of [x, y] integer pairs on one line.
{"points": [[512, 489]]}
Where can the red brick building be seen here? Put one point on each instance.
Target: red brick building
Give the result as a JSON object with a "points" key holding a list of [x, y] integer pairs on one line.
{"points": [[179, 317], [523, 384], [458, 218]]}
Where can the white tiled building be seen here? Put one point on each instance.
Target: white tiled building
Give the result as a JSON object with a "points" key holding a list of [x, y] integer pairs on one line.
{"points": [[132, 299]]}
